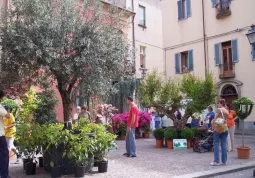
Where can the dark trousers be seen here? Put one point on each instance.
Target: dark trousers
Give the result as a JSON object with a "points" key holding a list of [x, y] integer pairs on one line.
{"points": [[4, 158]]}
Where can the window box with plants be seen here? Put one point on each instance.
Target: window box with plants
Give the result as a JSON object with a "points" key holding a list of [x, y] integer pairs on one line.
{"points": [[170, 134], [159, 135], [243, 108], [187, 134]]}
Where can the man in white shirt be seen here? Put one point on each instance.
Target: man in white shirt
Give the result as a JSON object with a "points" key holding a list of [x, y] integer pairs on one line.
{"points": [[4, 152]]}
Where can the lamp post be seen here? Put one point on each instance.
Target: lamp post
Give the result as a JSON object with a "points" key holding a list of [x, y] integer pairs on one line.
{"points": [[251, 35]]}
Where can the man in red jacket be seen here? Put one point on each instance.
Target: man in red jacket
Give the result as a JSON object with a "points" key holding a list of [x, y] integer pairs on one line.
{"points": [[132, 124]]}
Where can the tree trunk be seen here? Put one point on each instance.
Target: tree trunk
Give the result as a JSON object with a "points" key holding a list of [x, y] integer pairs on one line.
{"points": [[67, 107]]}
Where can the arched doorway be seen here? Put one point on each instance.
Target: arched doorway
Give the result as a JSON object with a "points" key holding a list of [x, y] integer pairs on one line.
{"points": [[229, 93]]}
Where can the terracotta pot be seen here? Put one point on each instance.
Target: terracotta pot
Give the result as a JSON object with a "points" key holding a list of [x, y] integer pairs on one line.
{"points": [[170, 144], [243, 152], [123, 137], [146, 135], [159, 143], [188, 144]]}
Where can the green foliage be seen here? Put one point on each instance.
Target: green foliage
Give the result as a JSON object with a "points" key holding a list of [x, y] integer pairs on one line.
{"points": [[202, 92], [159, 133], [170, 134], [45, 112], [9, 102], [68, 46], [30, 103], [195, 131], [243, 107], [123, 128], [187, 133], [149, 88], [147, 129]]}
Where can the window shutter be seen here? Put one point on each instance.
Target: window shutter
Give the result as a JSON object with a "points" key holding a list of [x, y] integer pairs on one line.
{"points": [[217, 54], [190, 60], [234, 49], [214, 3], [253, 52], [188, 8], [179, 10], [177, 63]]}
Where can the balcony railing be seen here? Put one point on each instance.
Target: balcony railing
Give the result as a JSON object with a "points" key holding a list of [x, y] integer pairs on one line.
{"points": [[223, 12], [119, 3], [225, 72]]}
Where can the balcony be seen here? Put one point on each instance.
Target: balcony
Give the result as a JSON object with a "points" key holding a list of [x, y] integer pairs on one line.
{"points": [[226, 71], [118, 3]]}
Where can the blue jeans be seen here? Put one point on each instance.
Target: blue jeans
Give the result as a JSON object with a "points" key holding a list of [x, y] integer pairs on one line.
{"points": [[130, 142], [4, 158], [217, 139], [157, 124]]}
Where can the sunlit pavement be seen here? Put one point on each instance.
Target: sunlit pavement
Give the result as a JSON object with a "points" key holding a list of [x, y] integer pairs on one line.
{"points": [[153, 163]]}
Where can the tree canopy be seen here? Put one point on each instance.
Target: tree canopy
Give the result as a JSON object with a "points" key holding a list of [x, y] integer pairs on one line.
{"points": [[191, 93], [67, 42]]}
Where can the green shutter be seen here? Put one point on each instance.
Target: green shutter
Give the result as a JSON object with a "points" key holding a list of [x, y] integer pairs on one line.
{"points": [[217, 54], [179, 3], [190, 60], [177, 63], [234, 46]]}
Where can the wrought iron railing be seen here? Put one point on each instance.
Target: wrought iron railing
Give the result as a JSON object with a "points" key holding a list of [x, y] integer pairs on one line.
{"points": [[226, 71]]}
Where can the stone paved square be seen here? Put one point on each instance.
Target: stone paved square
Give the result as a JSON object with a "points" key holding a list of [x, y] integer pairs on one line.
{"points": [[152, 162]]}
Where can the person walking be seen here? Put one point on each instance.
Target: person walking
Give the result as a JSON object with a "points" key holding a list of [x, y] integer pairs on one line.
{"points": [[132, 124], [4, 152], [157, 121], [231, 127], [220, 134], [76, 115], [166, 122], [84, 115]]}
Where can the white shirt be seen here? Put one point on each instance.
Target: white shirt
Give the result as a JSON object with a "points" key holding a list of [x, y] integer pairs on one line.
{"points": [[3, 112]]}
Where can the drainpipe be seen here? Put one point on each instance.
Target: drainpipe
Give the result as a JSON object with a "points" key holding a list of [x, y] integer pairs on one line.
{"points": [[165, 65], [133, 34], [204, 37]]}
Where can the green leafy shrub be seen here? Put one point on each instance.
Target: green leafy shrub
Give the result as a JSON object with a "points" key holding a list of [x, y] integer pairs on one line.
{"points": [[187, 133], [158, 133], [170, 133], [243, 107], [195, 131]]}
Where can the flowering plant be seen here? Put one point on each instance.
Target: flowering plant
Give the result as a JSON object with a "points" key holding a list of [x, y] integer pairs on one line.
{"points": [[144, 120], [119, 123]]}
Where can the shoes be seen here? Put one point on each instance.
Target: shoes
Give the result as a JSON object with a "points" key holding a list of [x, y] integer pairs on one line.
{"points": [[17, 161], [132, 156], [125, 154], [214, 164]]}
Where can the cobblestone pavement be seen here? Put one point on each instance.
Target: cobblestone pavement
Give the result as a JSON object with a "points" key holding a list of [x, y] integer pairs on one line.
{"points": [[242, 174], [152, 162]]}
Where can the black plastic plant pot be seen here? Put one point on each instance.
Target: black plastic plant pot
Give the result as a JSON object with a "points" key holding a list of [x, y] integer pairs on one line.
{"points": [[40, 161], [56, 172], [30, 168], [95, 164], [102, 166], [80, 171], [25, 161]]}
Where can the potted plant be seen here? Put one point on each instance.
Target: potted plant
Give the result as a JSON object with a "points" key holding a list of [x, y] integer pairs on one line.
{"points": [[195, 133], [170, 134], [55, 170], [122, 129], [188, 135], [159, 135], [146, 131], [243, 107]]}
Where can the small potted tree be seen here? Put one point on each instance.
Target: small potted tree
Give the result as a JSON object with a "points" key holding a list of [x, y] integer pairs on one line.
{"points": [[243, 107], [159, 135], [146, 131], [195, 133], [170, 134], [188, 135]]}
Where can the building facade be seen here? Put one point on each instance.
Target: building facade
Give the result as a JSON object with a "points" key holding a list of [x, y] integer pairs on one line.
{"points": [[201, 36], [146, 33]]}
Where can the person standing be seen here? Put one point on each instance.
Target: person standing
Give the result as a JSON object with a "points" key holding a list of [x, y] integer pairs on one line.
{"points": [[166, 122], [76, 115], [210, 116], [231, 127], [100, 117], [132, 124], [84, 115], [4, 152], [157, 121], [220, 134]]}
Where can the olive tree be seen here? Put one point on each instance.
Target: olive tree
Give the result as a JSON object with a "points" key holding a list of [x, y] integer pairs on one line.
{"points": [[65, 43], [168, 96]]}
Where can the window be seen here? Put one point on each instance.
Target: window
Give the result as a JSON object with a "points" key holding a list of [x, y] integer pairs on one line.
{"points": [[142, 16], [142, 56], [184, 9], [221, 4], [227, 56], [184, 62]]}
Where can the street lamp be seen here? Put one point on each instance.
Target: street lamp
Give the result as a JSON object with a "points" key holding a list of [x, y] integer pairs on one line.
{"points": [[251, 35]]}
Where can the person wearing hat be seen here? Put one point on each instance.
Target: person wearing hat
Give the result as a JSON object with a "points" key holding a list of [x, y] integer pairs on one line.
{"points": [[10, 131], [4, 153]]}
